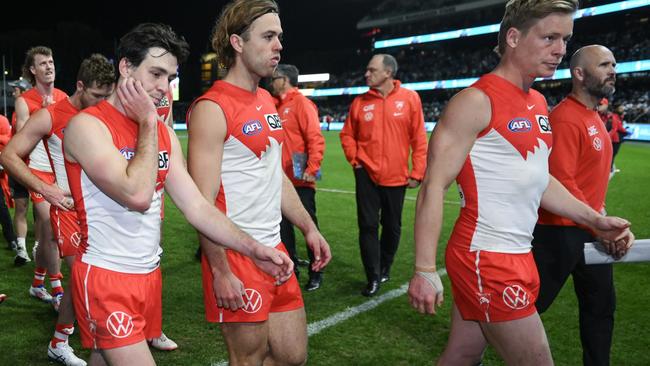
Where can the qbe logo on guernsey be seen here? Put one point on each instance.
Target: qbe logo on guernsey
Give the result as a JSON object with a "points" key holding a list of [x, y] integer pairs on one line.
{"points": [[543, 123], [273, 120], [163, 160]]}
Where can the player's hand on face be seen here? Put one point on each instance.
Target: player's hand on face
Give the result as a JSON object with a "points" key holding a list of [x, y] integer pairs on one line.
{"points": [[320, 249], [137, 104], [423, 297], [228, 290], [274, 262]]}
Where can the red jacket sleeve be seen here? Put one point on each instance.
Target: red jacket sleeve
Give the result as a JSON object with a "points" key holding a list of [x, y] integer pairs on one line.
{"points": [[564, 159], [5, 132], [418, 139], [312, 135], [349, 134]]}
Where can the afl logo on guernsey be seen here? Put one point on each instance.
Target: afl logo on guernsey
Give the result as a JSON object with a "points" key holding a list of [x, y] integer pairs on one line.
{"points": [[127, 152], [519, 125], [252, 128]]}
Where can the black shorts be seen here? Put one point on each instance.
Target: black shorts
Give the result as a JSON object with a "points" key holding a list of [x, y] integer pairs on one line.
{"points": [[17, 189]]}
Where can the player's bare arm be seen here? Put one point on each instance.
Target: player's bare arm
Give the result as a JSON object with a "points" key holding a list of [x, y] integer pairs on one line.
{"points": [[88, 142], [295, 212], [449, 146], [22, 112], [207, 130], [19, 147], [614, 232]]}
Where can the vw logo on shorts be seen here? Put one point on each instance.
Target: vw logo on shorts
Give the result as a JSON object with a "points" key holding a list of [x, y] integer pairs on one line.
{"points": [[119, 324], [516, 297], [252, 301], [75, 239]]}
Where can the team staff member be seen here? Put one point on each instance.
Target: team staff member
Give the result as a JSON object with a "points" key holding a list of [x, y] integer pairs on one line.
{"points": [[40, 71], [580, 160], [614, 123], [5, 217], [382, 126], [235, 157], [494, 139], [119, 156], [302, 135], [19, 193]]}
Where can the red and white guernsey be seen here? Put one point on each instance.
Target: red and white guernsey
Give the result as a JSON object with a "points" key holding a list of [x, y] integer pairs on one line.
{"points": [[506, 172], [38, 157], [114, 237], [60, 113], [251, 170]]}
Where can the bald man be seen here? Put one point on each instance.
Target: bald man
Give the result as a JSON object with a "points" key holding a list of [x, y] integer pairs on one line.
{"points": [[580, 160]]}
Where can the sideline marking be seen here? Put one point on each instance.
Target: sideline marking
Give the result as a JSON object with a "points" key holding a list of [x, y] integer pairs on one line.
{"points": [[317, 327]]}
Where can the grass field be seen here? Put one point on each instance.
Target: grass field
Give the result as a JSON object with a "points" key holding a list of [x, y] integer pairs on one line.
{"points": [[388, 334]]}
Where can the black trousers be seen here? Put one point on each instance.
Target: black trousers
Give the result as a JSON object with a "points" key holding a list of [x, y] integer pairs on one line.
{"points": [[559, 252], [308, 198], [615, 147], [5, 220], [378, 204]]}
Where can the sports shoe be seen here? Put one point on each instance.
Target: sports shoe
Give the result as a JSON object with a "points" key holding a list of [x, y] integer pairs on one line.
{"points": [[3, 297], [56, 301], [64, 354], [40, 293], [12, 245], [163, 343], [21, 255]]}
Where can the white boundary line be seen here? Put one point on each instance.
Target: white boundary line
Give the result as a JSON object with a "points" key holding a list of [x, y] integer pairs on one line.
{"points": [[329, 190], [316, 327]]}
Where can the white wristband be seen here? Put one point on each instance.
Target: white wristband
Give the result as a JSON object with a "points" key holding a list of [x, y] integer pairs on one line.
{"points": [[433, 278]]}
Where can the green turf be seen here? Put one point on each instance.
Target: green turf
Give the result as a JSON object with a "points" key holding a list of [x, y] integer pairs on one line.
{"points": [[392, 333]]}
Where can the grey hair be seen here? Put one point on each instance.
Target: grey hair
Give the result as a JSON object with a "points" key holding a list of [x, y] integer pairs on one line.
{"points": [[290, 71]]}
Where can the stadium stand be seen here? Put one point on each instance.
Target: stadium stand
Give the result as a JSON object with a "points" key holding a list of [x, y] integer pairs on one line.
{"points": [[627, 34]]}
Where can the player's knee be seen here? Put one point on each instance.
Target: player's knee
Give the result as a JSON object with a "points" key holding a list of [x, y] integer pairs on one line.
{"points": [[251, 359], [293, 359]]}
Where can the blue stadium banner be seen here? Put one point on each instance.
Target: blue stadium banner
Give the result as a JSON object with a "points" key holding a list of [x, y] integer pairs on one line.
{"points": [[494, 28], [638, 131], [621, 68]]}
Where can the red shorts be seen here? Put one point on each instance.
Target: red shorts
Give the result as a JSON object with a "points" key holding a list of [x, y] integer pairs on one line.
{"points": [[65, 227], [116, 309], [47, 177], [490, 286], [262, 296]]}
